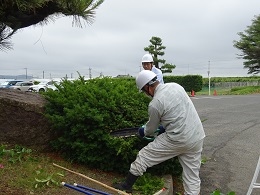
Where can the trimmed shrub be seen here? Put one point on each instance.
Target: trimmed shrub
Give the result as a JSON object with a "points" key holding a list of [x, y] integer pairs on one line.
{"points": [[172, 79], [188, 82], [192, 82], [84, 112]]}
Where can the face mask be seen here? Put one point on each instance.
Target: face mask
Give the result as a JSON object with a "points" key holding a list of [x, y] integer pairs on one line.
{"points": [[148, 96]]}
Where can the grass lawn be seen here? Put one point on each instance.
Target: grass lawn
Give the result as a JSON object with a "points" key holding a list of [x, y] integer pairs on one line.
{"points": [[24, 171], [230, 91]]}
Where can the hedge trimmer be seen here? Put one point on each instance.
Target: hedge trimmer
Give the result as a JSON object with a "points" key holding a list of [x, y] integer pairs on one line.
{"points": [[132, 132]]}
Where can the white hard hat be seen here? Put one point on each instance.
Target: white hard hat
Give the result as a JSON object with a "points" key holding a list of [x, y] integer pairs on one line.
{"points": [[145, 77], [147, 58]]}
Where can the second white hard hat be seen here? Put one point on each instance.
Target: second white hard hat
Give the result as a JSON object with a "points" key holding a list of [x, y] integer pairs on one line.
{"points": [[147, 58]]}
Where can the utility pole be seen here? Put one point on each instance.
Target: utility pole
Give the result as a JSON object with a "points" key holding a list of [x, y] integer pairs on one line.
{"points": [[209, 75], [25, 73], [90, 76], [43, 74]]}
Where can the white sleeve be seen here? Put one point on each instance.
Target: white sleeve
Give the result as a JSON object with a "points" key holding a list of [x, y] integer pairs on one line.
{"points": [[159, 74], [160, 78], [154, 120]]}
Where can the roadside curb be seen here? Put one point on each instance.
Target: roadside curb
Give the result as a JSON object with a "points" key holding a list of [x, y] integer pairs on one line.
{"points": [[168, 185]]}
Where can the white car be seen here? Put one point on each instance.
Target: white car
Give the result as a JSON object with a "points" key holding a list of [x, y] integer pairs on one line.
{"points": [[43, 86], [50, 85], [39, 87], [22, 86]]}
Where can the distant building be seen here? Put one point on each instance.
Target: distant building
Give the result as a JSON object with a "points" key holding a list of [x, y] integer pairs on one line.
{"points": [[123, 76]]}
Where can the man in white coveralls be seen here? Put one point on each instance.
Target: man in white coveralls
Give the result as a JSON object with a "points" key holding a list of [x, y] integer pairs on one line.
{"points": [[183, 137], [147, 63]]}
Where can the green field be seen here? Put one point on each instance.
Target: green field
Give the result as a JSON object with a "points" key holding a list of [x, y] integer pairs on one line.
{"points": [[229, 91]]}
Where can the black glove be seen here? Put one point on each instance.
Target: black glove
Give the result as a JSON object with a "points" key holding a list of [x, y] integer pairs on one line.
{"points": [[160, 129], [141, 131]]}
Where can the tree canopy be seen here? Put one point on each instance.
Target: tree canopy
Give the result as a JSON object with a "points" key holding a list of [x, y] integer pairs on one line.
{"points": [[18, 14], [249, 44], [156, 49]]}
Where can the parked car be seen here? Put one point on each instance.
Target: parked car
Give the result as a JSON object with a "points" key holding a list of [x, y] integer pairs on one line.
{"points": [[2, 81], [22, 86], [51, 85], [4, 84], [43, 86], [8, 84], [39, 87]]}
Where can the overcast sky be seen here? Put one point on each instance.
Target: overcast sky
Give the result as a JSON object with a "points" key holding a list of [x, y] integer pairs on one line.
{"points": [[198, 35]]}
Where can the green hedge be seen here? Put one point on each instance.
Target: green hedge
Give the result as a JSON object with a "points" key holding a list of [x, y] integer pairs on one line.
{"points": [[231, 79], [188, 82], [84, 112]]}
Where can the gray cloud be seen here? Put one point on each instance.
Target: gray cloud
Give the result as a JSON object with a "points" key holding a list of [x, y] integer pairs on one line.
{"points": [[194, 33]]}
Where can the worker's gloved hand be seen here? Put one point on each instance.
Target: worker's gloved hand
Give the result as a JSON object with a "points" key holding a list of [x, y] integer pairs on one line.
{"points": [[160, 129], [141, 132]]}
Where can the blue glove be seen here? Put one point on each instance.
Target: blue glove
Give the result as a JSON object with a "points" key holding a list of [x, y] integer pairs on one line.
{"points": [[161, 129], [141, 131]]}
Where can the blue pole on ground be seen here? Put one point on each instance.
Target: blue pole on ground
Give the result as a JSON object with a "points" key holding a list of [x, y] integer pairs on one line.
{"points": [[76, 188], [91, 189]]}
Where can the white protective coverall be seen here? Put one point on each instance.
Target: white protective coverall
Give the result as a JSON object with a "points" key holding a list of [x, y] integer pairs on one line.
{"points": [[183, 137], [158, 73]]}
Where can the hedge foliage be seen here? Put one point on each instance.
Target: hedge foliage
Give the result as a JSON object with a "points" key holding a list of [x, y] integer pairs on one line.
{"points": [[231, 79], [188, 82], [84, 112]]}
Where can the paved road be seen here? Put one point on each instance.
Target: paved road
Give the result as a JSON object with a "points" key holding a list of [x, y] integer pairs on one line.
{"points": [[232, 143]]}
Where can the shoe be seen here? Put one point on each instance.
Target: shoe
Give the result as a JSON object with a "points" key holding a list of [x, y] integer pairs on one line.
{"points": [[128, 184], [122, 187]]}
